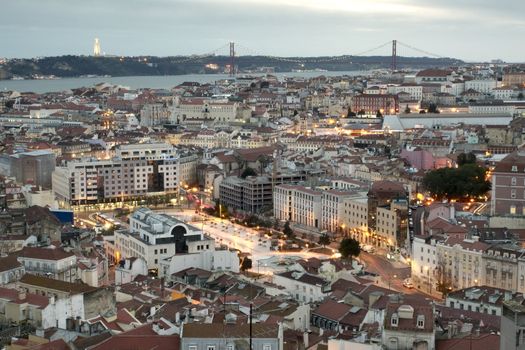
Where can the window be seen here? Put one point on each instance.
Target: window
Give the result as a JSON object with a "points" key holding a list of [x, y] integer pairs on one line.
{"points": [[267, 347], [394, 320], [420, 321], [513, 181], [513, 194], [512, 209], [514, 168], [210, 347]]}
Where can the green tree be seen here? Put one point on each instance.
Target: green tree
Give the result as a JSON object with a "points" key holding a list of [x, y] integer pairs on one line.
{"points": [[349, 248], [349, 113], [466, 158], [324, 239], [248, 172], [520, 96], [432, 108], [379, 114], [443, 280], [287, 230], [469, 180], [246, 264]]}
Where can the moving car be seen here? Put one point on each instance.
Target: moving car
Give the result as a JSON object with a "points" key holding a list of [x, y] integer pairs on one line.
{"points": [[407, 283]]}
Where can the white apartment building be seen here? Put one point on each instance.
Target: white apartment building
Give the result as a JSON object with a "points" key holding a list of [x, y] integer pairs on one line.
{"points": [[153, 237], [484, 86], [49, 262], [424, 262], [462, 260], [387, 221], [355, 217], [135, 170], [209, 260], [331, 210], [298, 204], [302, 286], [492, 108], [505, 93], [415, 91], [455, 88], [333, 204], [186, 110]]}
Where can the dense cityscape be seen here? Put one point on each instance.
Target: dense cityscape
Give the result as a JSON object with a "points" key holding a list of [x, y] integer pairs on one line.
{"points": [[376, 209]]}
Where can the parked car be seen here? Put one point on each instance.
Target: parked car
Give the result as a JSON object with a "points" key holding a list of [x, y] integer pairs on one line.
{"points": [[407, 283], [368, 248]]}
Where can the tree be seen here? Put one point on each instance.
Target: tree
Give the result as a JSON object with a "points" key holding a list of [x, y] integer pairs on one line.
{"points": [[349, 113], [349, 248], [287, 230], [444, 283], [466, 158], [520, 96], [379, 114], [463, 183], [246, 264], [324, 239], [407, 109], [432, 108], [248, 172]]}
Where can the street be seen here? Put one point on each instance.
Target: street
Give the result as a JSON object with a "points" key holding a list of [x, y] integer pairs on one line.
{"points": [[383, 267]]}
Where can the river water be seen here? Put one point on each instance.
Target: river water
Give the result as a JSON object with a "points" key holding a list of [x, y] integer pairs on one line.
{"points": [[135, 82]]}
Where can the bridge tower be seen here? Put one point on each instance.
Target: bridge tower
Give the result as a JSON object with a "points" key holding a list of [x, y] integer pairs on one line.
{"points": [[393, 65], [232, 58]]}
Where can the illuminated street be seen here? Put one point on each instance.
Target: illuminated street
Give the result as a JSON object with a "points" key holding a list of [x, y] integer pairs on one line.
{"points": [[245, 239]]}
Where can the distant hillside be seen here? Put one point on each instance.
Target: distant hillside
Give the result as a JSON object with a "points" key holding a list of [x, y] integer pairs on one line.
{"points": [[74, 66]]}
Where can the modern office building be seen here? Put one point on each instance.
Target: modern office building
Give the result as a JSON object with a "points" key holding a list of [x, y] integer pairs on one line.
{"points": [[135, 171]]}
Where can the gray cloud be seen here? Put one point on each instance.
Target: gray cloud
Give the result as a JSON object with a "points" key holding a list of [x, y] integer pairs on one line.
{"points": [[468, 29]]}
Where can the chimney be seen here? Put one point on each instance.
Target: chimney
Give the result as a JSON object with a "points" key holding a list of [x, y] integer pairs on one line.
{"points": [[306, 340]]}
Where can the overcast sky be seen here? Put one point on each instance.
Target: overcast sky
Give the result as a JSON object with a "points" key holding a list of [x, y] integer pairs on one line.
{"points": [[465, 29]]}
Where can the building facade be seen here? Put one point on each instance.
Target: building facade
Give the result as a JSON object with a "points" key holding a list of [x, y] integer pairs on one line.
{"points": [[508, 185], [135, 171]]}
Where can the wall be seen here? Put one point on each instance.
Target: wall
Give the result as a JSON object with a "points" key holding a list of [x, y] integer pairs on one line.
{"points": [[100, 302]]}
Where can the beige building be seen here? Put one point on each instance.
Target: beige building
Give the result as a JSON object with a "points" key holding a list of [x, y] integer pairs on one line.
{"points": [[355, 217], [502, 269], [298, 204], [461, 260], [19, 306]]}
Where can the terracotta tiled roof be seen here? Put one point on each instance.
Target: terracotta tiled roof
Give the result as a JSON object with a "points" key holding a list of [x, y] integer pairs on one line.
{"points": [[193, 330], [44, 253], [32, 299], [332, 310], [49, 283], [9, 263]]}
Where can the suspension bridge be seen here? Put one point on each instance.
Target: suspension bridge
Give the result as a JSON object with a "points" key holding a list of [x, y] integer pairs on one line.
{"points": [[234, 51]]}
